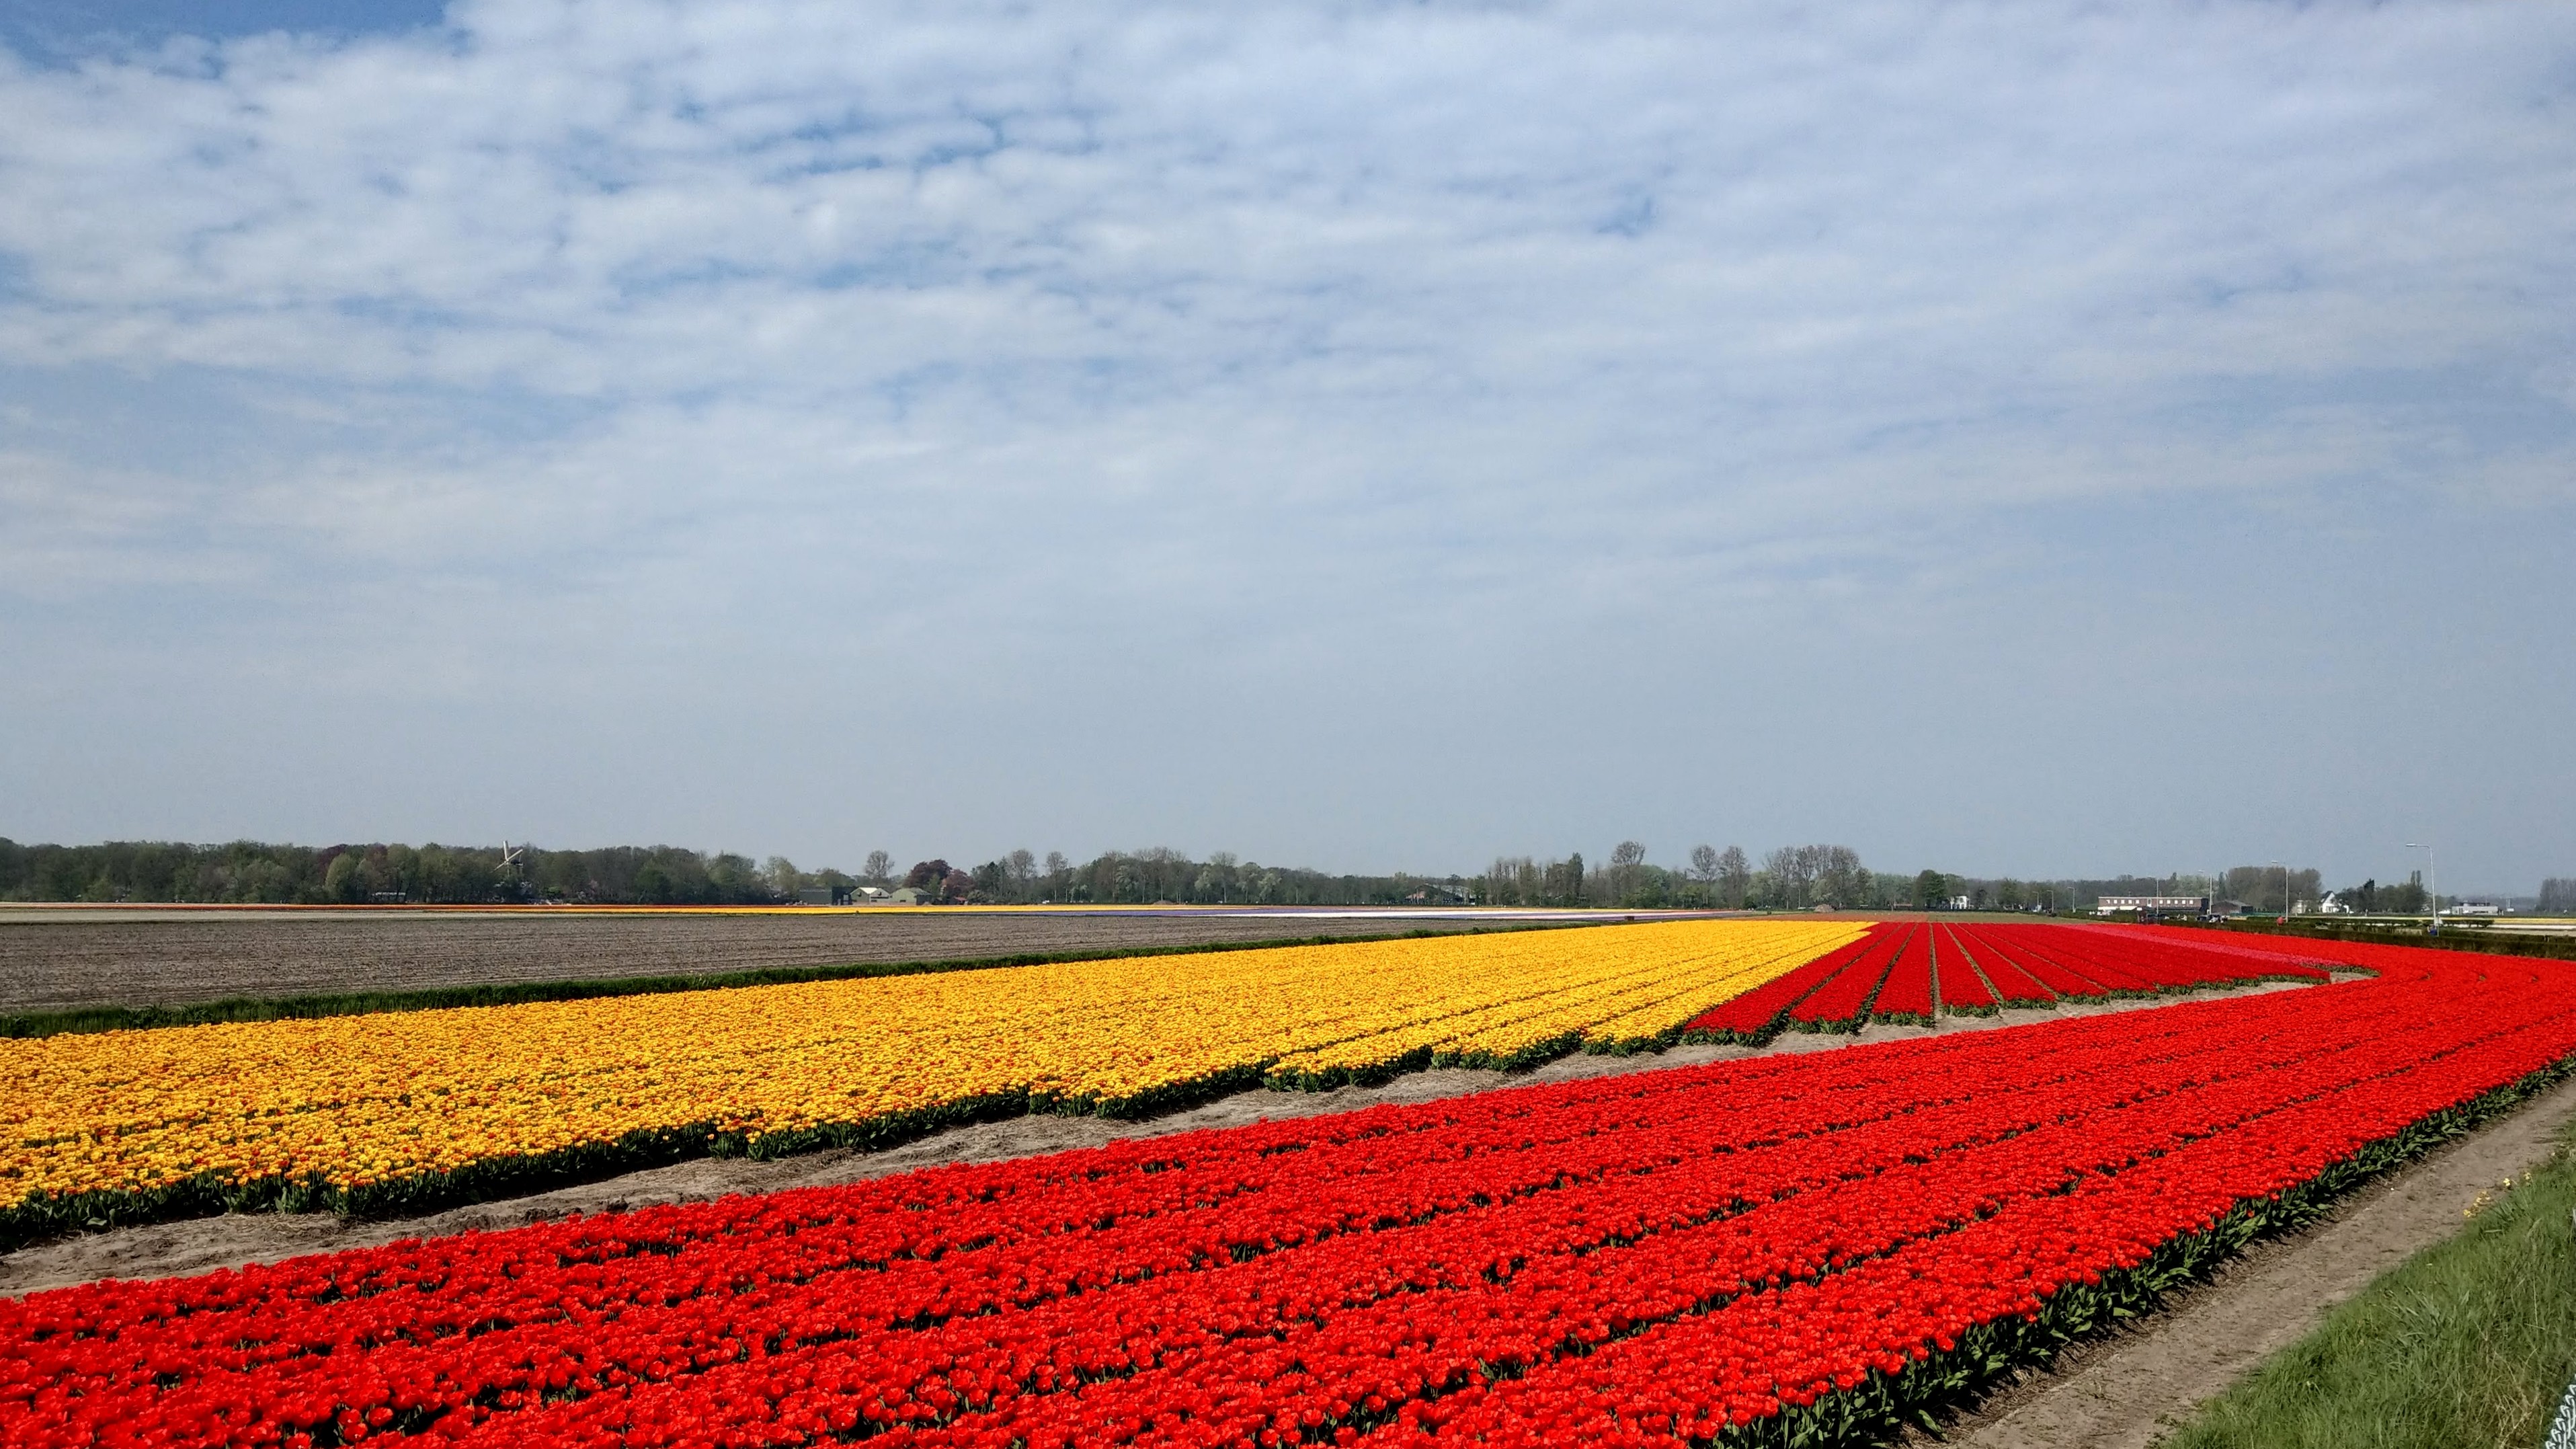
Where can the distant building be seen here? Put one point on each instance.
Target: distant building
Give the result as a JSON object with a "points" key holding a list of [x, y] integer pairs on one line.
{"points": [[905, 896], [870, 896], [823, 896], [2152, 906]]}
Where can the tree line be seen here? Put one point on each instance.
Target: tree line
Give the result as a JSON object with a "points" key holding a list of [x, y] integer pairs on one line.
{"points": [[1789, 878], [253, 872], [247, 872], [259, 873]]}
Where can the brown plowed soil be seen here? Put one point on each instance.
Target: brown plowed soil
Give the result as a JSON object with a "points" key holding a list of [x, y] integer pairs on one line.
{"points": [[181, 958], [171, 1249]]}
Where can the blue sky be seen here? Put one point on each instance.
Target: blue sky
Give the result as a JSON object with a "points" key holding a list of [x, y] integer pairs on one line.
{"points": [[2011, 438]]}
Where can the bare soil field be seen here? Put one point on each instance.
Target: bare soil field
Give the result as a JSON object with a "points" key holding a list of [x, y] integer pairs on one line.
{"points": [[178, 959], [162, 1250]]}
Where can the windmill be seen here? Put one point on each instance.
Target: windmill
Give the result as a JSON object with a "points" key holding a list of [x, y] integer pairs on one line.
{"points": [[513, 874]]}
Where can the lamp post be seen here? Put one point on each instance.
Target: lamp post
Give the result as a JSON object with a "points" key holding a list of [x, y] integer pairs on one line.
{"points": [[2432, 889]]}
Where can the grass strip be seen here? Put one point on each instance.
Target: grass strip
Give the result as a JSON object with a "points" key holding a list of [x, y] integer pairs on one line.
{"points": [[2469, 1343], [79, 1020]]}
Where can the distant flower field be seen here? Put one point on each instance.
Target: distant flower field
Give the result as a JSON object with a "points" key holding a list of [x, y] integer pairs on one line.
{"points": [[377, 1111]]}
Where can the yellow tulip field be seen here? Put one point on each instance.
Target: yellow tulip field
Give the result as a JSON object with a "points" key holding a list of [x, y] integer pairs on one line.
{"points": [[381, 1110]]}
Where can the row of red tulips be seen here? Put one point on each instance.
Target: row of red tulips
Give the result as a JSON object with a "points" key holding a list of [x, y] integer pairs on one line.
{"points": [[1912, 972], [1034, 1230], [1752, 1241], [1904, 1314]]}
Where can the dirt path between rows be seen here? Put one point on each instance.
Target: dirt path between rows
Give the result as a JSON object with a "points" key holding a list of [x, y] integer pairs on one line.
{"points": [[165, 1250], [2127, 1391]]}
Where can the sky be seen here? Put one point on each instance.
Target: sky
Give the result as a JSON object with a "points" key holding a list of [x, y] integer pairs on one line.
{"points": [[2035, 439]]}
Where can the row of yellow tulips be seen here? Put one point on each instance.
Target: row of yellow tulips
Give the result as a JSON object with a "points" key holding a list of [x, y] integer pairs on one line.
{"points": [[348, 1104]]}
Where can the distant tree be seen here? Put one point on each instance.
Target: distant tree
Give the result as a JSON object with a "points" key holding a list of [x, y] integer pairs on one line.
{"points": [[2268, 888], [1627, 866], [1792, 873], [2558, 894], [991, 881], [880, 867], [1734, 876], [1839, 877], [734, 878], [1021, 867], [341, 882], [653, 883], [1222, 879], [1931, 890], [927, 875], [958, 886], [1703, 869], [785, 880], [1569, 889]]}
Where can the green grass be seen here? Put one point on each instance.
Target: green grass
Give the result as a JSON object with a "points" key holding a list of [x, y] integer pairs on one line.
{"points": [[2468, 1344]]}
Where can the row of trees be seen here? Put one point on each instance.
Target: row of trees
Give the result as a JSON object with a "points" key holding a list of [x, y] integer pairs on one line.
{"points": [[1145, 877], [2404, 898], [2263, 889], [251, 872], [1797, 877], [2259, 887]]}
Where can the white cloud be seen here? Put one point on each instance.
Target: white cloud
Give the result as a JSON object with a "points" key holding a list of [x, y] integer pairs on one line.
{"points": [[1261, 328]]}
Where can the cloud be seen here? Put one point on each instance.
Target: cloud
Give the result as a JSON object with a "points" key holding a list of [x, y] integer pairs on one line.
{"points": [[971, 338]]}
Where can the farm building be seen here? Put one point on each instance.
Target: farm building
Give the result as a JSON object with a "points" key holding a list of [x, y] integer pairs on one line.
{"points": [[2152, 906]]}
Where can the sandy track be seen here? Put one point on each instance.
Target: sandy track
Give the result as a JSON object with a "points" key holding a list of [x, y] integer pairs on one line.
{"points": [[178, 959], [2127, 1391], [171, 1249]]}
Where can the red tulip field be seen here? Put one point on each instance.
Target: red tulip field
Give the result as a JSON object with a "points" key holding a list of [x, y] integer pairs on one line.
{"points": [[1808, 1248], [1898, 970]]}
